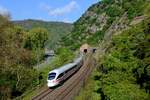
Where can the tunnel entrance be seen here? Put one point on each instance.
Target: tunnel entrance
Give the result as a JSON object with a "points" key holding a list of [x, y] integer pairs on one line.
{"points": [[85, 50]]}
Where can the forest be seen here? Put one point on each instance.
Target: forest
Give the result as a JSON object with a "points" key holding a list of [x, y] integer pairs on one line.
{"points": [[125, 69], [21, 51], [123, 73], [18, 55]]}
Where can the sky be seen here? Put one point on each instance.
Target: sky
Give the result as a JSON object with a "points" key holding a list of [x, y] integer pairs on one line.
{"points": [[48, 10]]}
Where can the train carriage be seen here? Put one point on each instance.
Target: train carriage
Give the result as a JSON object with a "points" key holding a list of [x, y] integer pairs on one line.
{"points": [[57, 76]]}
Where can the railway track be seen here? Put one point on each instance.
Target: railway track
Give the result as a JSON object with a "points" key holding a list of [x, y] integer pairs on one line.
{"points": [[65, 93], [42, 94], [66, 90]]}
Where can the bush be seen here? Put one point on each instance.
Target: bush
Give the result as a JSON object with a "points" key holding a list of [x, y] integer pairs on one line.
{"points": [[36, 38], [64, 55], [135, 8], [16, 69], [126, 65], [114, 11]]}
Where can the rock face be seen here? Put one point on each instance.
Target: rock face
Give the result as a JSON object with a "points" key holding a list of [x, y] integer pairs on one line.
{"points": [[102, 20]]}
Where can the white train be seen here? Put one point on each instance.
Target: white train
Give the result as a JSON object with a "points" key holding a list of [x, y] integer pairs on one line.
{"points": [[57, 76]]}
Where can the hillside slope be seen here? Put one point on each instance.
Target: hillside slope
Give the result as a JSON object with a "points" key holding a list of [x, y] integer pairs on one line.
{"points": [[120, 29], [56, 29], [104, 17]]}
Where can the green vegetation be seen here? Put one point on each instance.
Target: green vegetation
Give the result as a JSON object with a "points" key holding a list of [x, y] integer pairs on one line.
{"points": [[125, 67], [134, 8], [36, 38], [20, 51], [16, 73], [98, 36], [55, 29], [123, 73], [91, 90], [100, 17], [114, 11]]}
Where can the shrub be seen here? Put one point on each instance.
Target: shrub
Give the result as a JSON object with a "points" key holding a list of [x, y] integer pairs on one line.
{"points": [[114, 11]]}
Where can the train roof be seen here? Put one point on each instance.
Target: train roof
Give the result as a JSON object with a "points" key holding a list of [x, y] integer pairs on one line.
{"points": [[64, 68], [67, 66]]}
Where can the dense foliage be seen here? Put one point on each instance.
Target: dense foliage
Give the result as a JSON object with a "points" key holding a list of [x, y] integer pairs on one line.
{"points": [[124, 70], [16, 58], [36, 38], [125, 67], [99, 17], [55, 29]]}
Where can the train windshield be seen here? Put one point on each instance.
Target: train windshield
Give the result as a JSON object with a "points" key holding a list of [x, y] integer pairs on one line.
{"points": [[51, 76]]}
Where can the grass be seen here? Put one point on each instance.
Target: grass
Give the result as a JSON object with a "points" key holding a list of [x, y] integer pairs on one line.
{"points": [[91, 90]]}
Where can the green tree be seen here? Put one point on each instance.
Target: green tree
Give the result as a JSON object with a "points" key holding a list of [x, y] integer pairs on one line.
{"points": [[64, 56], [126, 65], [15, 74], [36, 38], [114, 11]]}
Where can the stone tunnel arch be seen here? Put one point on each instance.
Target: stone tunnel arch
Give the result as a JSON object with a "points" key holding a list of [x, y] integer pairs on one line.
{"points": [[85, 48]]}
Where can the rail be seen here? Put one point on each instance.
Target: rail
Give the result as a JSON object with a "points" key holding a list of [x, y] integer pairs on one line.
{"points": [[71, 90], [42, 94]]}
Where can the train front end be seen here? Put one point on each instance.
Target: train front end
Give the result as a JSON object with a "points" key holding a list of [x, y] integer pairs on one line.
{"points": [[52, 81]]}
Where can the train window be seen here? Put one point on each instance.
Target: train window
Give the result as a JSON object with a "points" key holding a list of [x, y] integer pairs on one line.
{"points": [[60, 75], [51, 76]]}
